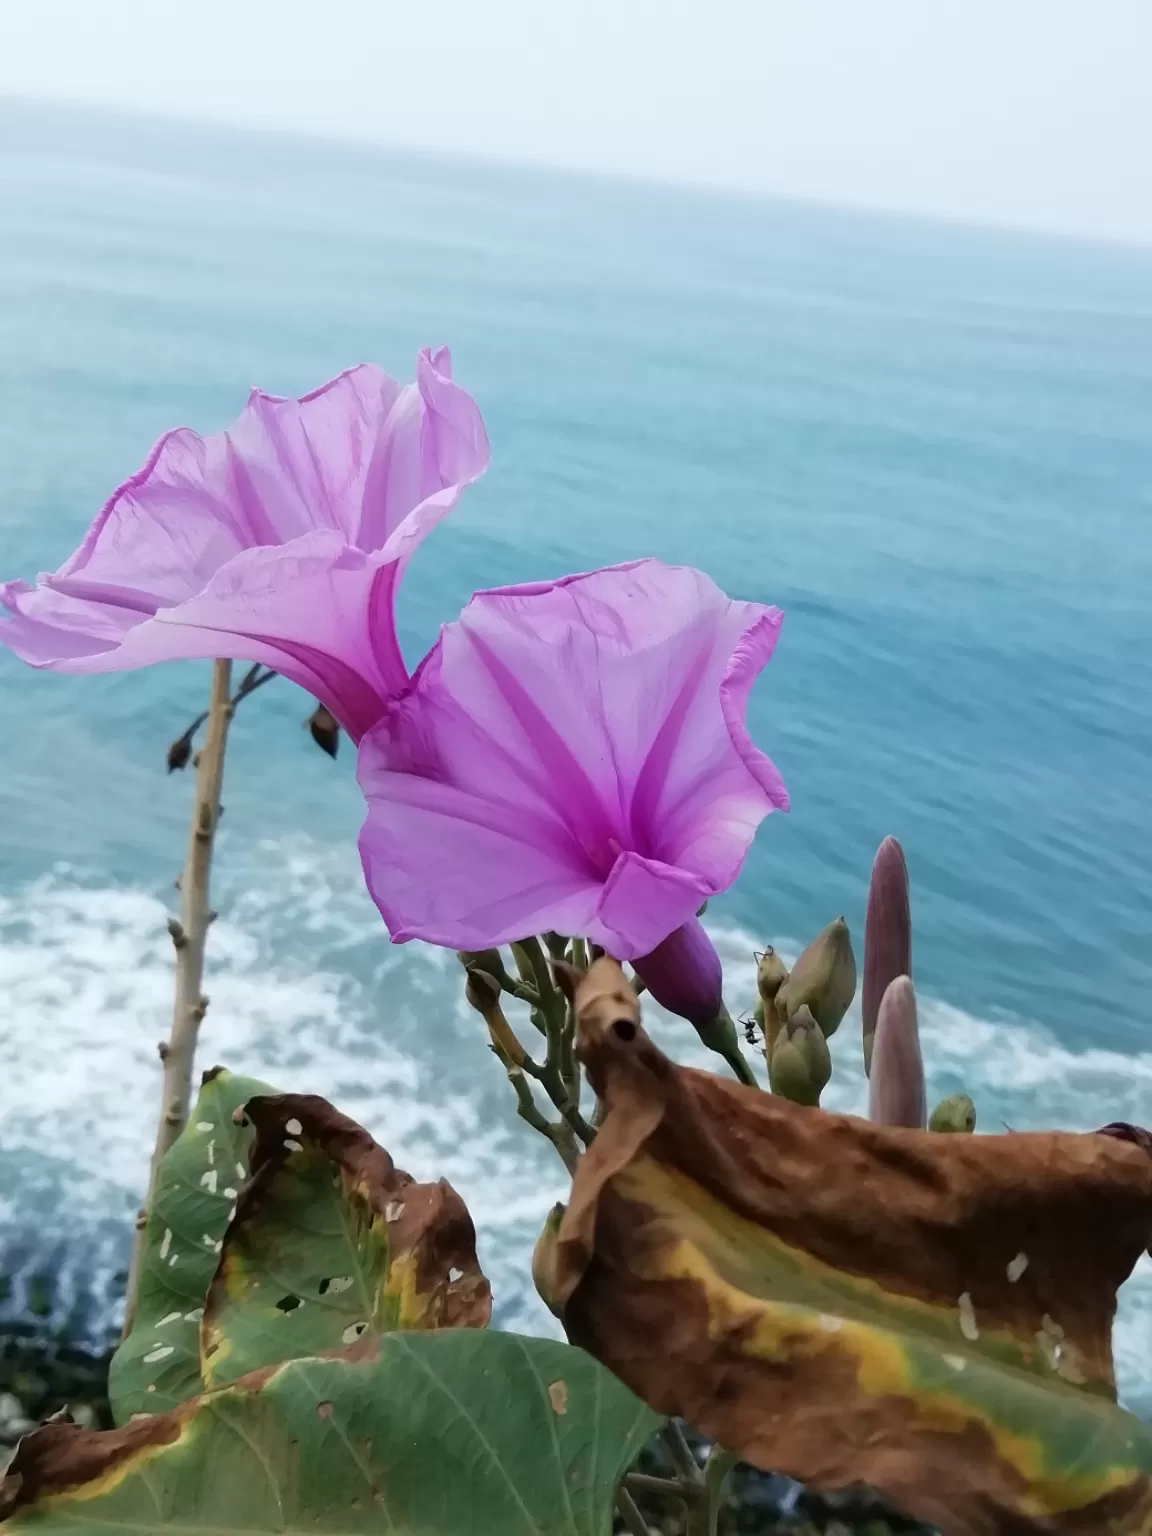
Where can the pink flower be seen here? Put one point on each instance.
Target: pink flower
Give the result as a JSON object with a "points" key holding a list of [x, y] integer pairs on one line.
{"points": [[571, 755], [280, 540]]}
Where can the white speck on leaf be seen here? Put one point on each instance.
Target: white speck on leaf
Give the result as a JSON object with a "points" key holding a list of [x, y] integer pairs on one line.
{"points": [[339, 1283], [394, 1210], [240, 1171], [172, 1261], [208, 1181], [195, 1315], [166, 1242], [293, 1127], [230, 1193], [203, 1125], [211, 1149], [292, 1146], [161, 1352], [173, 1317], [1017, 1267], [455, 1274], [830, 1324], [353, 1332], [968, 1318], [957, 1362], [558, 1396]]}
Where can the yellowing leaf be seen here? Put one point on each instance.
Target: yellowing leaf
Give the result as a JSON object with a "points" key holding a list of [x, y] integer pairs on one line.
{"points": [[420, 1434], [851, 1303], [330, 1242]]}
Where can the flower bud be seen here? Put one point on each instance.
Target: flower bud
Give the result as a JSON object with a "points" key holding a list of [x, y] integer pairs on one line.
{"points": [[887, 935], [955, 1113], [544, 1260], [896, 1088], [800, 1065], [823, 980], [771, 974], [684, 975]]}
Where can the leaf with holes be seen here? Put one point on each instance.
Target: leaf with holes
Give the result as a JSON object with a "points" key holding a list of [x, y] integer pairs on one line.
{"points": [[331, 1241], [158, 1364], [422, 1434], [855, 1303]]}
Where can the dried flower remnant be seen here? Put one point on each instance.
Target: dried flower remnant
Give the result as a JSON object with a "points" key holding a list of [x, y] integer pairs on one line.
{"points": [[324, 730]]}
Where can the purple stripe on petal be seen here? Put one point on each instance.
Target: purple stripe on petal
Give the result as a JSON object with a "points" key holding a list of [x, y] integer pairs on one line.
{"points": [[582, 723], [279, 540]]}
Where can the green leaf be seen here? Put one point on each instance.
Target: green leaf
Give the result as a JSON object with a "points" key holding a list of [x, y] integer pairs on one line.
{"points": [[426, 1434], [158, 1364], [331, 1242]]}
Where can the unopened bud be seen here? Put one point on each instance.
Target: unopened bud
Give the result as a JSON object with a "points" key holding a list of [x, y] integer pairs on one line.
{"points": [[324, 730], [955, 1113], [683, 973], [544, 1260], [896, 1088], [771, 974], [823, 980], [800, 1066], [887, 935]]}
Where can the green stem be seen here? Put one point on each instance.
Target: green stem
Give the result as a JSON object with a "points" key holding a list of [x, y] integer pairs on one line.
{"points": [[704, 1517], [631, 1516], [562, 1086], [664, 1487], [720, 1036], [681, 1452]]}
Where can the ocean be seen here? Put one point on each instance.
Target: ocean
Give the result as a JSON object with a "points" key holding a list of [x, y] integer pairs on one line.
{"points": [[930, 445]]}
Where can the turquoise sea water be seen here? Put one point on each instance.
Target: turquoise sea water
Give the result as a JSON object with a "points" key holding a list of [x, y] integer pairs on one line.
{"points": [[932, 446]]}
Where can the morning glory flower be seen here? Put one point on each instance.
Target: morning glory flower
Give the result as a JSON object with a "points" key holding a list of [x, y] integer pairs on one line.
{"points": [[280, 540], [573, 756]]}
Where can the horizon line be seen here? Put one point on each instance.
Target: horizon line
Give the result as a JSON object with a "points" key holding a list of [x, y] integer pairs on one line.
{"points": [[731, 191]]}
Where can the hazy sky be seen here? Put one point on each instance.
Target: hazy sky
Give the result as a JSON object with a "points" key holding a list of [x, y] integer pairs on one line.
{"points": [[1033, 112]]}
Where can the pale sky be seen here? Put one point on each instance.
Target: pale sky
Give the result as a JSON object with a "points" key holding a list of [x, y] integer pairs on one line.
{"points": [[1025, 112]]}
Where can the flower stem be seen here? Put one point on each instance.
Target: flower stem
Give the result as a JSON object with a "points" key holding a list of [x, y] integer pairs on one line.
{"points": [[704, 1517], [633, 1519], [189, 935]]}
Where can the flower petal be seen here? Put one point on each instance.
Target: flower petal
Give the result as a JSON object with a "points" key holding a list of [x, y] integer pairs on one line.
{"points": [[585, 717], [279, 540], [643, 901], [446, 866]]}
